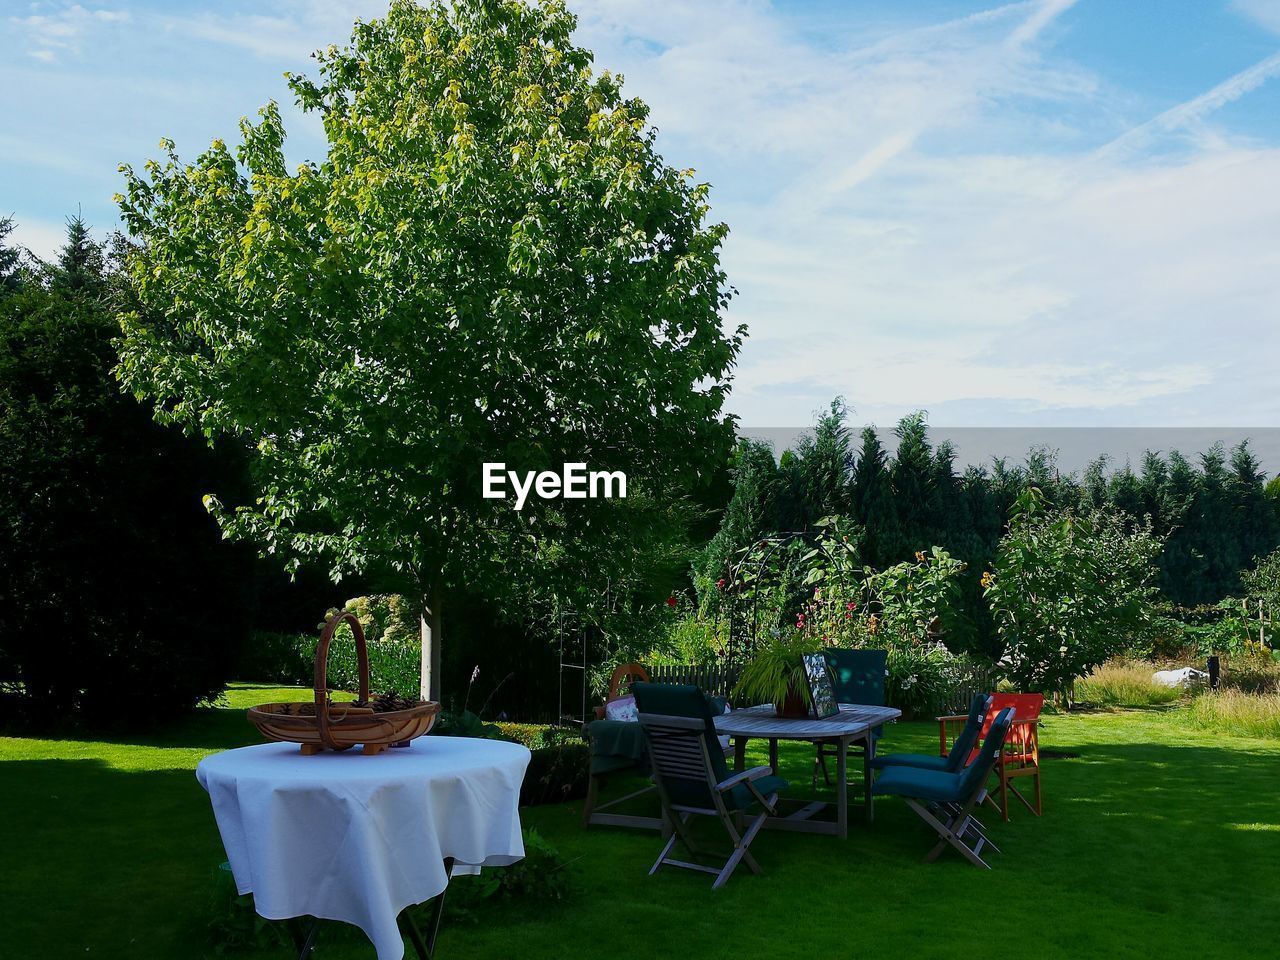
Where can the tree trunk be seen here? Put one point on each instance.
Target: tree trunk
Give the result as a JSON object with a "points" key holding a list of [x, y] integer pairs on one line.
{"points": [[431, 626]]}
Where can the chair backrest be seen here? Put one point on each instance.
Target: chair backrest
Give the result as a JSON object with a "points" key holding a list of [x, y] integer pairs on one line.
{"points": [[978, 771], [962, 751], [681, 737], [1024, 706], [628, 671], [618, 684], [858, 675]]}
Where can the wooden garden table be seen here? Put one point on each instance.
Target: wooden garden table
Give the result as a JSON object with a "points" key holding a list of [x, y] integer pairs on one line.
{"points": [[852, 724]]}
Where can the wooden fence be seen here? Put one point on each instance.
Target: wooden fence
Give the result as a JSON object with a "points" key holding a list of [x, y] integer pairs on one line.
{"points": [[718, 679], [714, 678]]}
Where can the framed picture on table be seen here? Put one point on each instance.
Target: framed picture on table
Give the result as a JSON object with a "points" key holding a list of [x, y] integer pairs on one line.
{"points": [[822, 693]]}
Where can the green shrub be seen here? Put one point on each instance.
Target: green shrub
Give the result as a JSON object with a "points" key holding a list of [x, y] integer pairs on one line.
{"points": [[290, 658], [556, 773], [538, 881], [1238, 714], [387, 617], [536, 735], [273, 657], [921, 679], [1125, 683]]}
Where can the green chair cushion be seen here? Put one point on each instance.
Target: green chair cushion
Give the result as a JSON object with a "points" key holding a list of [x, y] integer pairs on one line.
{"points": [[921, 784], [921, 761], [741, 797], [616, 745]]}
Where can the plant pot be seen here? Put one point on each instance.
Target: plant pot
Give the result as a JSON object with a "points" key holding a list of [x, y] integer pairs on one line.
{"points": [[794, 706]]}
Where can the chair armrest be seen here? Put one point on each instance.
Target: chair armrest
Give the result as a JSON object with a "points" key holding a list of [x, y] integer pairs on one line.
{"points": [[755, 773], [948, 719]]}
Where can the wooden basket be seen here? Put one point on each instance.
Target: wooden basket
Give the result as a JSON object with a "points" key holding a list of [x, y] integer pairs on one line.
{"points": [[339, 726]]}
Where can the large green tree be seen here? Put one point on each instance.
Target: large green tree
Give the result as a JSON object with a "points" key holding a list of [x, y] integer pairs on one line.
{"points": [[491, 264]]}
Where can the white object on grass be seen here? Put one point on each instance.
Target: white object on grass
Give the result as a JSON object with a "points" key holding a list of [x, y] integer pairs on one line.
{"points": [[1186, 677]]}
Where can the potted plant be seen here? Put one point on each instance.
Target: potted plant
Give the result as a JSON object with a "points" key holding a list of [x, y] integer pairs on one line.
{"points": [[776, 675]]}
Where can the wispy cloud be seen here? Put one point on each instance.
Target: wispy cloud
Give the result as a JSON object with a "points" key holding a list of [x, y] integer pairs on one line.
{"points": [[293, 29], [1187, 117], [55, 30], [924, 219]]}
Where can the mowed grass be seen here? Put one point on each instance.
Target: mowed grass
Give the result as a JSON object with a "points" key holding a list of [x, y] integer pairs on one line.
{"points": [[1158, 839]]}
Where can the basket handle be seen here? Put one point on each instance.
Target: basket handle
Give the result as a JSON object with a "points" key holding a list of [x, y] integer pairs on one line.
{"points": [[322, 670]]}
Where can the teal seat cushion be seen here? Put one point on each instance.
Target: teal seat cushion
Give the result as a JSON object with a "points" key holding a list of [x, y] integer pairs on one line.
{"points": [[741, 797], [921, 784], [921, 761]]}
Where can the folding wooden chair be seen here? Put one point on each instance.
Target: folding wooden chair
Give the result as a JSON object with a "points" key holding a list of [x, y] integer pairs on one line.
{"points": [[951, 760], [858, 677], [693, 779], [1020, 757], [946, 800]]}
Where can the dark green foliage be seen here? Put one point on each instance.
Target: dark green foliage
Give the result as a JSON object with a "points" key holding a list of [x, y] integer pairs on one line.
{"points": [[120, 599], [762, 504], [10, 259], [1215, 516], [556, 773], [537, 882]]}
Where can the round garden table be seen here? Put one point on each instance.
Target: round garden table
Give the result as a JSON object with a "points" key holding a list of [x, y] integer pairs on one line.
{"points": [[343, 836]]}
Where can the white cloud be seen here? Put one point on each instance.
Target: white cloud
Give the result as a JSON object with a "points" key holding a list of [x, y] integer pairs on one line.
{"points": [[61, 30], [924, 218], [293, 30], [1265, 13], [40, 237]]}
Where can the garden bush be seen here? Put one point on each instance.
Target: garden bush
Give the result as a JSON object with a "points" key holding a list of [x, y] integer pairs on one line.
{"points": [[290, 658], [1237, 714], [273, 657], [1125, 683], [1069, 590], [556, 773], [387, 617]]}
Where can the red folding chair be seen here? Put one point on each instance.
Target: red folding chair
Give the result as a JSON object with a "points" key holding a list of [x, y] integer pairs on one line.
{"points": [[1020, 756]]}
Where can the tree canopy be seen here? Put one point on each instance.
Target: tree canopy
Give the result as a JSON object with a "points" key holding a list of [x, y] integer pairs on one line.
{"points": [[492, 263]]}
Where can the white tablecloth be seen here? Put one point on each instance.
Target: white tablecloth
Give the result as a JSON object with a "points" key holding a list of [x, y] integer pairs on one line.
{"points": [[348, 837]]}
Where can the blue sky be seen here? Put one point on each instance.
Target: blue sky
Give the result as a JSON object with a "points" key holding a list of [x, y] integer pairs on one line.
{"points": [[1037, 213]]}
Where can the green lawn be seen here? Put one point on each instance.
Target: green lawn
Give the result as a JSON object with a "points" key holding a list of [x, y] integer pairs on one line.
{"points": [[1158, 841]]}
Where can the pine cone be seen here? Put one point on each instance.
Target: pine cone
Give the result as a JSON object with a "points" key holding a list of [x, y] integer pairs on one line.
{"points": [[389, 701]]}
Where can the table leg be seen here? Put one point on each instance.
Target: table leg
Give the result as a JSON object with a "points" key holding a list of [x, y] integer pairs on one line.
{"points": [[307, 944], [868, 799], [842, 788], [739, 754], [773, 756], [434, 929]]}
